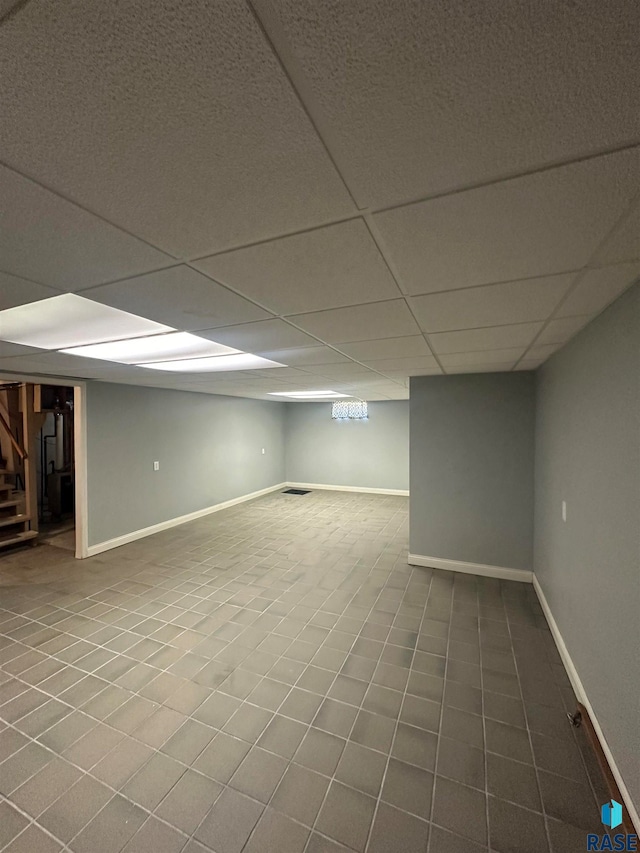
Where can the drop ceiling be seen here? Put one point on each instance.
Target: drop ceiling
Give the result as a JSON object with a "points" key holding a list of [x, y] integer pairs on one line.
{"points": [[360, 191]]}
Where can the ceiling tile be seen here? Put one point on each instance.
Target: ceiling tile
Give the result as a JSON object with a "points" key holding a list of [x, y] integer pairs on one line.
{"points": [[401, 375], [624, 243], [339, 370], [180, 297], [467, 359], [18, 291], [399, 364], [261, 336], [305, 355], [387, 348], [598, 287], [561, 330], [492, 337], [493, 305], [360, 323], [325, 268], [49, 240], [497, 367], [542, 352], [180, 127], [482, 357], [528, 364], [536, 225], [408, 90]]}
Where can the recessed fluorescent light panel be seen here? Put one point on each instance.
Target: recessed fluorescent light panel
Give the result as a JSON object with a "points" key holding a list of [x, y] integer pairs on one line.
{"points": [[79, 326], [241, 361], [176, 345], [69, 320], [308, 395]]}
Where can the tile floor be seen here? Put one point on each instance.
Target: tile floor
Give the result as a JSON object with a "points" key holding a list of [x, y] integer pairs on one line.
{"points": [[275, 677]]}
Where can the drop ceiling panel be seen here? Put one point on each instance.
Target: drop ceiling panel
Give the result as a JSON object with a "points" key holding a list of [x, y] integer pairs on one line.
{"points": [[407, 91], [624, 242], [493, 305], [481, 357], [176, 122], [541, 352], [325, 268], [49, 240], [18, 291], [305, 355], [360, 323], [598, 287], [404, 364], [179, 297], [497, 367], [536, 225], [339, 370], [261, 336], [490, 338], [561, 330], [415, 345]]}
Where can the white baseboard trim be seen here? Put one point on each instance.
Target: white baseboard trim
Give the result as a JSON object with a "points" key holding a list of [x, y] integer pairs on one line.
{"points": [[92, 550], [578, 689], [363, 489], [471, 568]]}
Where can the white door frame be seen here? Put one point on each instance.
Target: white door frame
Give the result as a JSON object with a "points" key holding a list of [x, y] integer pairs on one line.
{"points": [[80, 448]]}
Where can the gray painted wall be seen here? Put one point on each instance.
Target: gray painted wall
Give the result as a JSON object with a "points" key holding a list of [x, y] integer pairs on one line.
{"points": [[209, 449], [471, 456], [372, 453], [588, 454]]}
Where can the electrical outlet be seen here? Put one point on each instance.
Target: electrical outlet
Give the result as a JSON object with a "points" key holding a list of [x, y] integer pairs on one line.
{"points": [[263, 451], [156, 466], [564, 510]]}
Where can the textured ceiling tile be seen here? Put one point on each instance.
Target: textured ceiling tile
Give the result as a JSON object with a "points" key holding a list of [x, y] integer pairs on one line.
{"points": [[427, 362], [18, 291], [51, 241], [415, 345], [305, 355], [416, 371], [420, 97], [360, 323], [597, 288], [261, 336], [174, 120], [341, 370], [498, 356], [493, 305], [182, 297], [325, 268], [543, 351], [493, 337], [561, 330], [624, 242], [536, 225], [497, 367]]}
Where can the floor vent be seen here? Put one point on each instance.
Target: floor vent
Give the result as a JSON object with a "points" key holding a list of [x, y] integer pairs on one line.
{"points": [[296, 491]]}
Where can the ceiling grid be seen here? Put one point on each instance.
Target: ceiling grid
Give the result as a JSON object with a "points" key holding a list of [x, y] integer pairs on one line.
{"points": [[358, 192]]}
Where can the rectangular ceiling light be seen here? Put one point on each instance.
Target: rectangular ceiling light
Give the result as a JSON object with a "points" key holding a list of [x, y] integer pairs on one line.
{"points": [[69, 320], [241, 361], [308, 395], [176, 345]]}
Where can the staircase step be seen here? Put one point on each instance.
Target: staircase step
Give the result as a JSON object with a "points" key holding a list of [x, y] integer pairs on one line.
{"points": [[13, 519], [17, 538], [7, 504]]}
